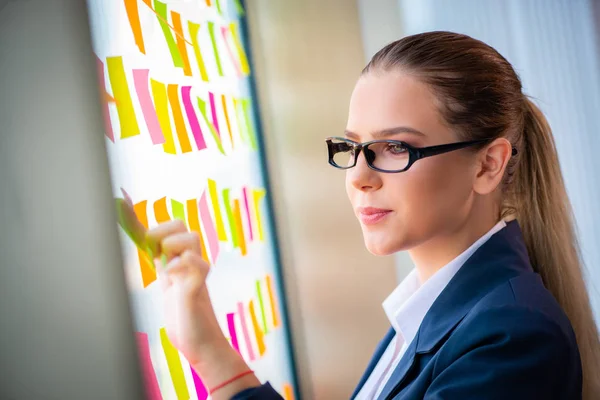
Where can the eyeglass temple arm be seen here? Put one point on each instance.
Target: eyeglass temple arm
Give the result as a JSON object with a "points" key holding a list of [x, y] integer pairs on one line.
{"points": [[445, 148]]}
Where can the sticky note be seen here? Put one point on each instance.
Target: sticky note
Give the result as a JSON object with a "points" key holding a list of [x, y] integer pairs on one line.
{"points": [[240, 48], [120, 89], [192, 117], [148, 373], [175, 367], [147, 268], [257, 195], [213, 40], [247, 212], [140, 81], [178, 211], [262, 306], [224, 103], [237, 215], [160, 210], [288, 392], [245, 331], [161, 11], [234, 60], [232, 332], [131, 7], [241, 124], [212, 190], [213, 109], [218, 4], [159, 92], [230, 218], [194, 223], [249, 125], [257, 331], [213, 131], [239, 8], [182, 135], [176, 17], [209, 228], [105, 113], [194, 28], [272, 300], [201, 391]]}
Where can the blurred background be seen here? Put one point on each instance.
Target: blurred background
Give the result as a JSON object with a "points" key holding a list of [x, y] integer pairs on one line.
{"points": [[307, 57]]}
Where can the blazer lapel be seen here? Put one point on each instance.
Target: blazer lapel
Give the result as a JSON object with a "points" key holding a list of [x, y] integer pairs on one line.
{"points": [[501, 258], [374, 360]]}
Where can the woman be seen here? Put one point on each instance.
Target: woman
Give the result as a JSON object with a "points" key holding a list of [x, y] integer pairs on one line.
{"points": [[446, 158]]}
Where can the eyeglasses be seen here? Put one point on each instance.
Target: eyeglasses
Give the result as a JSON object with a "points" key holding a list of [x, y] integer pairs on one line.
{"points": [[387, 155]]}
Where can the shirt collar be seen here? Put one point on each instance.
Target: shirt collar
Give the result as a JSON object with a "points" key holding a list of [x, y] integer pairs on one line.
{"points": [[407, 305]]}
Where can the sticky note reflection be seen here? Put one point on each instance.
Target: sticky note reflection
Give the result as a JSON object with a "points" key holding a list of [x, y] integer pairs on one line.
{"points": [[148, 373], [248, 213], [240, 48], [105, 113], [175, 367], [120, 88]]}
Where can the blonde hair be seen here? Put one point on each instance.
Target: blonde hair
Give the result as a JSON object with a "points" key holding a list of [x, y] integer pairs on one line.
{"points": [[481, 97]]}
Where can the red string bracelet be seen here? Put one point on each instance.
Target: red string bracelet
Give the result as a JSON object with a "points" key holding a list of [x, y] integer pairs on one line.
{"points": [[227, 382]]}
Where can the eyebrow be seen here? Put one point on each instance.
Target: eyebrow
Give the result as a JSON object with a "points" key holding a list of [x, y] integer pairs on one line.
{"points": [[388, 132]]}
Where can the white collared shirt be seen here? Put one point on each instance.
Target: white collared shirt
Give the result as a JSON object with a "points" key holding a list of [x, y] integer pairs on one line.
{"points": [[406, 308]]}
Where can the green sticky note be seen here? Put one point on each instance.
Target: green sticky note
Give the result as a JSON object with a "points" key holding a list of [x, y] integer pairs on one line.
{"points": [[136, 231]]}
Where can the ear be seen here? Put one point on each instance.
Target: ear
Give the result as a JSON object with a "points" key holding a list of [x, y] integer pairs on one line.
{"points": [[491, 164]]}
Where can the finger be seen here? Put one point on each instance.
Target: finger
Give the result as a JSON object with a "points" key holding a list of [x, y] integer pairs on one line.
{"points": [[189, 267], [178, 243], [155, 236]]}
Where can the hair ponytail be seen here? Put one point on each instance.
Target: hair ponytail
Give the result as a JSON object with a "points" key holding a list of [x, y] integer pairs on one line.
{"points": [[481, 98], [544, 213]]}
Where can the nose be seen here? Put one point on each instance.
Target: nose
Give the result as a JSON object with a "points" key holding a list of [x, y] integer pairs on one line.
{"points": [[362, 177]]}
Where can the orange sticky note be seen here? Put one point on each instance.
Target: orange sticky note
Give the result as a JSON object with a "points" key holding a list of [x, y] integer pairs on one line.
{"points": [[257, 331], [288, 392], [182, 135], [272, 300], [131, 7], [160, 210], [146, 268], [237, 215], [176, 17]]}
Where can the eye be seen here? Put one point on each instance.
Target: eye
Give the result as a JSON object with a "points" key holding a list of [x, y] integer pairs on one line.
{"points": [[396, 149]]}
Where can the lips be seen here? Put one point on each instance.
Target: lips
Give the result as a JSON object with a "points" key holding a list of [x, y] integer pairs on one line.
{"points": [[372, 215]]}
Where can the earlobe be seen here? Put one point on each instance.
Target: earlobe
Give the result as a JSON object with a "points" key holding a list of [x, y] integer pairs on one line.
{"points": [[492, 163]]}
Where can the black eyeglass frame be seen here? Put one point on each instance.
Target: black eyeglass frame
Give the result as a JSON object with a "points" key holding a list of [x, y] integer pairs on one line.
{"points": [[414, 153]]}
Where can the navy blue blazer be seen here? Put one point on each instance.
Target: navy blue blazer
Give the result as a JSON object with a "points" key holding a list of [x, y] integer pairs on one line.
{"points": [[494, 332]]}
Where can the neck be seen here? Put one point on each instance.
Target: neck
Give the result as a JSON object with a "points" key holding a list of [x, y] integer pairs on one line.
{"points": [[437, 252]]}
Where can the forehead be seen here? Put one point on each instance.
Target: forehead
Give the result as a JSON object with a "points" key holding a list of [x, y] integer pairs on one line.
{"points": [[384, 100]]}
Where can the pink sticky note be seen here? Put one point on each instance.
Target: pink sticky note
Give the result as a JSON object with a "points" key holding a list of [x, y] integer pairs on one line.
{"points": [[209, 228], [245, 331], [232, 332], [192, 117], [140, 80], [213, 109], [247, 207], [102, 82], [150, 381], [201, 391]]}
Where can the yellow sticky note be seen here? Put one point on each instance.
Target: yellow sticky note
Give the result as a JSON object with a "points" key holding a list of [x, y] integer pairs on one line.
{"points": [[257, 195], [212, 190], [120, 89], [175, 368], [159, 92]]}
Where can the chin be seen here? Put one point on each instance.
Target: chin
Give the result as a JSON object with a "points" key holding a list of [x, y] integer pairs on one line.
{"points": [[380, 248]]}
